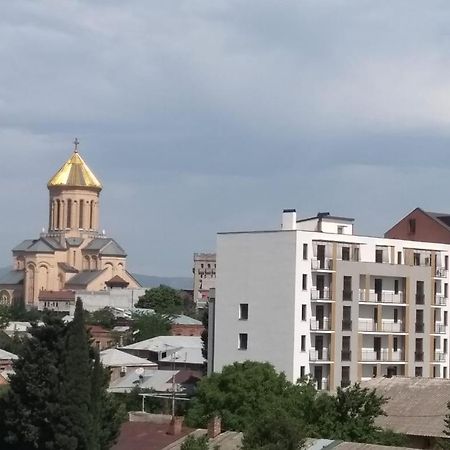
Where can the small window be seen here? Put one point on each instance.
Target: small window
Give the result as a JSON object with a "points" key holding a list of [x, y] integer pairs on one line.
{"points": [[346, 253], [303, 312], [445, 372], [395, 315], [374, 371], [202, 265], [445, 345], [243, 341], [446, 290], [417, 259], [399, 257], [446, 262], [340, 230], [302, 371], [379, 255], [395, 344], [395, 286], [412, 226], [445, 318], [305, 251], [243, 311], [418, 371], [303, 343], [304, 282], [209, 266]]}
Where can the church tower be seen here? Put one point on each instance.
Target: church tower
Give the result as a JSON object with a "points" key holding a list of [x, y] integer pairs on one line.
{"points": [[74, 199]]}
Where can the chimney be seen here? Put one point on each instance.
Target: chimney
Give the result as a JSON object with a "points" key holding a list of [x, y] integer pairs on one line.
{"points": [[214, 427], [289, 219]]}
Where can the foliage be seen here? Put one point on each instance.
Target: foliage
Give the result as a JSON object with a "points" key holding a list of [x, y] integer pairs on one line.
{"points": [[3, 390], [150, 325], [205, 334], [132, 401], [163, 300], [195, 443], [238, 394], [275, 429], [11, 344], [103, 317], [57, 397], [389, 438], [4, 316]]}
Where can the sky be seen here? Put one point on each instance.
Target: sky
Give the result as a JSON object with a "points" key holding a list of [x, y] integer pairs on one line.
{"points": [[202, 116]]}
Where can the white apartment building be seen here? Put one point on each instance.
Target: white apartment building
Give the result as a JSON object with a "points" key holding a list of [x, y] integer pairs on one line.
{"points": [[314, 298]]}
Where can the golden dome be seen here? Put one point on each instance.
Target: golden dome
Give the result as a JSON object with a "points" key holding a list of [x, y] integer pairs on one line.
{"points": [[75, 173]]}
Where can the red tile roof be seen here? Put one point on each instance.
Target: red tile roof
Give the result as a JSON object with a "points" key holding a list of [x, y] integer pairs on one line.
{"points": [[57, 296], [146, 436]]}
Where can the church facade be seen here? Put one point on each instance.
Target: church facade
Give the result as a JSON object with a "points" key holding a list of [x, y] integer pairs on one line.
{"points": [[73, 254]]}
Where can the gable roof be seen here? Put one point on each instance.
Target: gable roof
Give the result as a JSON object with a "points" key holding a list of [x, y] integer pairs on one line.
{"points": [[416, 406], [106, 247], [164, 343], [41, 245], [84, 278]]}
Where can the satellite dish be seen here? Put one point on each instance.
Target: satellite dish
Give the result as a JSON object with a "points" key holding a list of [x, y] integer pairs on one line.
{"points": [[140, 371]]}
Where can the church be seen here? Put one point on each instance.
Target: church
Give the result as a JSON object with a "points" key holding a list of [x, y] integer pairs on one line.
{"points": [[73, 254]]}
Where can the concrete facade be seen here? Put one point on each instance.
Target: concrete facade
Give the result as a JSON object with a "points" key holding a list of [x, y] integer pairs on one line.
{"points": [[204, 271], [331, 304]]}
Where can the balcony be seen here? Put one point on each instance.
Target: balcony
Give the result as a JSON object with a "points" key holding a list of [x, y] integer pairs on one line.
{"points": [[321, 294], [440, 300], [346, 325], [381, 297], [319, 354], [385, 327], [439, 356], [420, 327], [320, 325], [418, 356], [374, 355], [439, 328], [322, 385], [347, 295], [441, 272], [322, 264], [346, 355], [420, 299]]}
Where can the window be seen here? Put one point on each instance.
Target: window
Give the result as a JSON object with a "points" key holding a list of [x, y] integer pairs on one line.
{"points": [[305, 251], [355, 253], [445, 318], [378, 255], [346, 253], [434, 372], [243, 341], [304, 282], [395, 286], [418, 372], [444, 375], [374, 371], [399, 257], [340, 230], [302, 371], [347, 294], [395, 344], [395, 315], [345, 376], [209, 266], [445, 345], [417, 259], [412, 225], [446, 262], [303, 312], [202, 265], [446, 290], [243, 311], [303, 343]]}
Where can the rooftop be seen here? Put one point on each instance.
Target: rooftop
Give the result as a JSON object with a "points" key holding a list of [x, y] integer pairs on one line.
{"points": [[115, 358]]}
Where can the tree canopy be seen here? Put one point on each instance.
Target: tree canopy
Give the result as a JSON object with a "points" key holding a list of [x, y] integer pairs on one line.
{"points": [[163, 300], [150, 325]]}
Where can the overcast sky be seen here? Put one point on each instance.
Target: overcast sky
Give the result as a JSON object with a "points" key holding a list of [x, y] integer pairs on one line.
{"points": [[214, 115]]}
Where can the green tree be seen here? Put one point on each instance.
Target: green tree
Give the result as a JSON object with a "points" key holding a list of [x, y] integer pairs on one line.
{"points": [[205, 317], [150, 325], [4, 316], [195, 443], [238, 394], [275, 429], [104, 317], [163, 300]]}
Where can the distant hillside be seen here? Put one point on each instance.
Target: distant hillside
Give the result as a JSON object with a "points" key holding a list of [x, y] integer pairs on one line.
{"points": [[147, 280], [174, 282]]}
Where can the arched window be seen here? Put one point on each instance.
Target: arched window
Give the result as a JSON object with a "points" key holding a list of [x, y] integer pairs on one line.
{"points": [[58, 213], [31, 282], [69, 213], [81, 214]]}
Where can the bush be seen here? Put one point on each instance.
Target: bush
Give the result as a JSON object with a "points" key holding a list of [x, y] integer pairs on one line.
{"points": [[195, 443]]}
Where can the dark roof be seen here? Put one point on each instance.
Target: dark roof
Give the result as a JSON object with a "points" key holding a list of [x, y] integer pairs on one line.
{"points": [[67, 268], [106, 247], [41, 245], [83, 278], [117, 281], [12, 277], [74, 241], [55, 296], [416, 406], [327, 216]]}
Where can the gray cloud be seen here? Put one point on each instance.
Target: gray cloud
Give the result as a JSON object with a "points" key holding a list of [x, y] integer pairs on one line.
{"points": [[202, 116]]}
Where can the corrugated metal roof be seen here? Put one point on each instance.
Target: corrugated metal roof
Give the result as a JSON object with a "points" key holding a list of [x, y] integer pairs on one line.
{"points": [[416, 406]]}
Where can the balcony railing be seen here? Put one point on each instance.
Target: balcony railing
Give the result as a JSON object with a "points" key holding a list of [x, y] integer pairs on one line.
{"points": [[319, 354], [439, 356], [320, 325], [322, 264], [440, 300], [346, 355], [397, 356], [322, 385], [386, 327], [373, 355], [381, 297], [347, 325], [439, 328], [347, 295], [321, 294], [441, 272], [420, 327], [420, 299]]}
